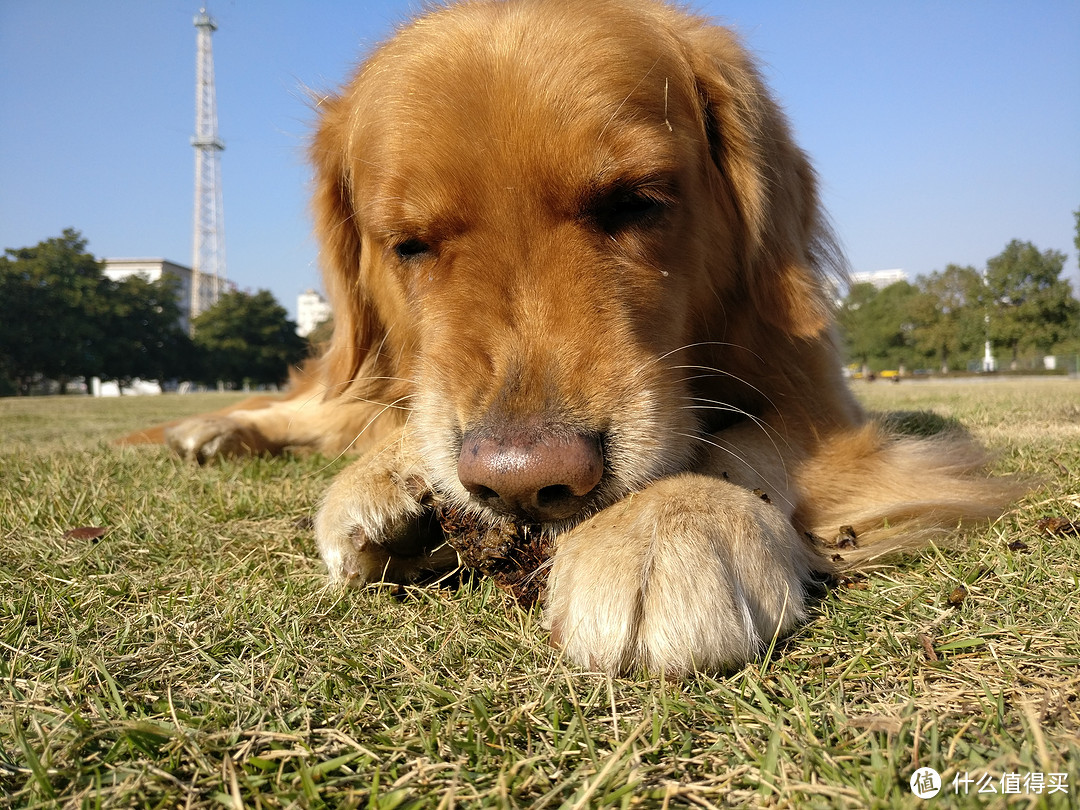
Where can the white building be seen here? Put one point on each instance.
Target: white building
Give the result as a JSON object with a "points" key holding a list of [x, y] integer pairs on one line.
{"points": [[311, 310], [879, 278]]}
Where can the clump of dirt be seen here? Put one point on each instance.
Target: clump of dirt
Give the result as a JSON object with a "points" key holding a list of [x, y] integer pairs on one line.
{"points": [[513, 554]]}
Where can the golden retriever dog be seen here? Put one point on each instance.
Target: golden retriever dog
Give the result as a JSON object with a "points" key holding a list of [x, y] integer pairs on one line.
{"points": [[581, 277]]}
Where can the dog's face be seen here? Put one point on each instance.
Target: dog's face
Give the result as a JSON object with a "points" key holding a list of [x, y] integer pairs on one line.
{"points": [[534, 216]]}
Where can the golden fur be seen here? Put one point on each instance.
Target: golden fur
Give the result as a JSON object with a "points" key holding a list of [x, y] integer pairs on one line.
{"points": [[579, 271]]}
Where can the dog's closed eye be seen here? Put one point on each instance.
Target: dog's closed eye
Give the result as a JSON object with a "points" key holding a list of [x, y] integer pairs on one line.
{"points": [[412, 249], [625, 207]]}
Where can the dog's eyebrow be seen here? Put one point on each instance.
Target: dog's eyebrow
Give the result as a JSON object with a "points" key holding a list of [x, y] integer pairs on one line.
{"points": [[659, 183], [645, 161], [393, 217]]}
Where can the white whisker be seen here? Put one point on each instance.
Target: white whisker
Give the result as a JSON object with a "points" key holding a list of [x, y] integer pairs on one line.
{"points": [[766, 429], [702, 343], [383, 409], [778, 490], [722, 373], [725, 407]]}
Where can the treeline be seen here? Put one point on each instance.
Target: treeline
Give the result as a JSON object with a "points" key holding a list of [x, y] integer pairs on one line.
{"points": [[1020, 303], [61, 319]]}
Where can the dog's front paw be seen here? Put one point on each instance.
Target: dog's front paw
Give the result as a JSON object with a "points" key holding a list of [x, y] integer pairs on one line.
{"points": [[376, 522], [203, 438], [693, 573]]}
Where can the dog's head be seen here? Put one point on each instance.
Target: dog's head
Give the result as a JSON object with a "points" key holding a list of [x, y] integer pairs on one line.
{"points": [[568, 232]]}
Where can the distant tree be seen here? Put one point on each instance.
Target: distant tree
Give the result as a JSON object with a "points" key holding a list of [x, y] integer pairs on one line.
{"points": [[855, 318], [144, 336], [52, 296], [64, 318], [20, 353], [948, 314], [248, 338], [1031, 307], [1076, 239], [877, 325]]}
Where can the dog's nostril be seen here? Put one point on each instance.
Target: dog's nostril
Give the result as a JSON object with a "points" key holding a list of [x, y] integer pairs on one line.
{"points": [[554, 495], [483, 493]]}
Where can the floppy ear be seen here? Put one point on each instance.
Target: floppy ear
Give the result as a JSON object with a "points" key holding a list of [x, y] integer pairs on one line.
{"points": [[358, 330], [786, 244]]}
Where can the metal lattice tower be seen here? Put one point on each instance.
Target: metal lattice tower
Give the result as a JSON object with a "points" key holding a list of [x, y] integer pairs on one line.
{"points": [[208, 253]]}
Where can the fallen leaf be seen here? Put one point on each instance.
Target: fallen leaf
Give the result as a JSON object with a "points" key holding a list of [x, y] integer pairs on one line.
{"points": [[86, 533], [1058, 525]]}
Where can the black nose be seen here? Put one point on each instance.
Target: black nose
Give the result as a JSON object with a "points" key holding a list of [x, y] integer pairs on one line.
{"points": [[541, 478]]}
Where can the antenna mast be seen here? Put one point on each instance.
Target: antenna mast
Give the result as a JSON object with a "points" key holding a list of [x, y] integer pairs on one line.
{"points": [[208, 253]]}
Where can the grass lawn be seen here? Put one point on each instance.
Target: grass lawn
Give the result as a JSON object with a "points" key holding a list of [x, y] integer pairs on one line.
{"points": [[193, 656]]}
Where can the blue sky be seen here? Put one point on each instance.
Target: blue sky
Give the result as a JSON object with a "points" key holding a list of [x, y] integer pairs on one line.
{"points": [[941, 129]]}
